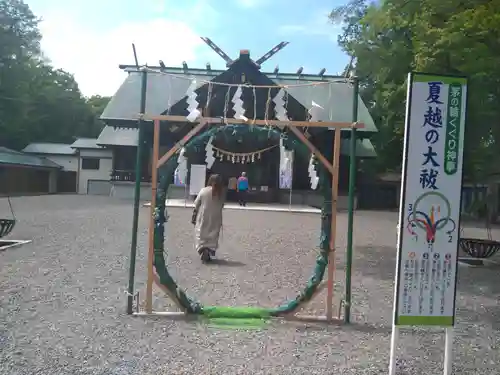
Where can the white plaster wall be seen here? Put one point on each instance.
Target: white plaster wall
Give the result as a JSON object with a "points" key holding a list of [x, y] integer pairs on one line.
{"points": [[102, 174]]}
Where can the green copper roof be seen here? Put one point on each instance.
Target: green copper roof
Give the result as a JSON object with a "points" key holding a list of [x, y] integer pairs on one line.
{"points": [[49, 149], [164, 90], [11, 157]]}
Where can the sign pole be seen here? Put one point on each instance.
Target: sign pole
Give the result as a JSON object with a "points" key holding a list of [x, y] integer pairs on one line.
{"points": [[395, 328], [394, 345], [448, 351], [429, 210], [290, 171]]}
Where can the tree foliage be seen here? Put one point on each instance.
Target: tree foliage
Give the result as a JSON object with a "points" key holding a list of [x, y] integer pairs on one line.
{"points": [[37, 102], [393, 37]]}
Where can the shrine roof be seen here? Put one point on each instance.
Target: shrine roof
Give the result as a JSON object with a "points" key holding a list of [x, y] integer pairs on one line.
{"points": [[336, 98]]}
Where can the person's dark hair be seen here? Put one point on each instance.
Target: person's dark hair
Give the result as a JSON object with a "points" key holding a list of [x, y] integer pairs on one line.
{"points": [[215, 181]]}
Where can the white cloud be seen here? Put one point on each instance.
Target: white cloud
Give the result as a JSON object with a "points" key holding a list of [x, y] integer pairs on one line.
{"points": [[250, 3], [318, 25], [93, 55]]}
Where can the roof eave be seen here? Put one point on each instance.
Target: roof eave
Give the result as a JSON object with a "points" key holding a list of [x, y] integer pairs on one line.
{"points": [[50, 153], [31, 166], [86, 148], [215, 72]]}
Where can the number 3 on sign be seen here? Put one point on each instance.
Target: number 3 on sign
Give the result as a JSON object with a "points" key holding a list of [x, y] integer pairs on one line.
{"points": [[410, 208]]}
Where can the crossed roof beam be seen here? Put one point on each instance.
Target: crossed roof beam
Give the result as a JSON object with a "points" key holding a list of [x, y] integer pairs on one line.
{"points": [[230, 61], [273, 51]]}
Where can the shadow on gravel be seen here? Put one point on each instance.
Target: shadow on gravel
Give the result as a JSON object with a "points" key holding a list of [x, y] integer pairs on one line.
{"points": [[123, 368], [225, 263], [481, 282], [353, 326], [378, 262]]}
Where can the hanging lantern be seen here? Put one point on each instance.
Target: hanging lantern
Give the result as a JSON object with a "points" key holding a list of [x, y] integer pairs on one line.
{"points": [[253, 158]]}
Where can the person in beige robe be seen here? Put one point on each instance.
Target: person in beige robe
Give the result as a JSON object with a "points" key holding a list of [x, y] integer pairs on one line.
{"points": [[207, 217]]}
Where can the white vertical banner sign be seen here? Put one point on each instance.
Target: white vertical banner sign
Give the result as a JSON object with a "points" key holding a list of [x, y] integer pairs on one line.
{"points": [[429, 211], [197, 178], [286, 167]]}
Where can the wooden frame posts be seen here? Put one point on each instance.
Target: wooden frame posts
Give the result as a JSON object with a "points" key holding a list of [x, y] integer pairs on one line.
{"points": [[333, 228], [332, 167], [154, 187]]}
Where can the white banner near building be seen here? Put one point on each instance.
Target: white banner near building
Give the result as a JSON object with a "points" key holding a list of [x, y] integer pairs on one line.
{"points": [[429, 216], [286, 169], [197, 178]]}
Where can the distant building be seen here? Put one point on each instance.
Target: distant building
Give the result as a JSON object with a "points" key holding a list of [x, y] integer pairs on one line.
{"points": [[106, 165], [95, 166], [85, 167], [63, 155], [166, 93], [23, 174]]}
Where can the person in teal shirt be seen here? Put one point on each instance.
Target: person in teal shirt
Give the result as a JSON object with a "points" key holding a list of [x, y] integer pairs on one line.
{"points": [[242, 189]]}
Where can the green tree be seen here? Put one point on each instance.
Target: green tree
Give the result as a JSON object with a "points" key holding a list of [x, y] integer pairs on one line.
{"points": [[98, 103], [394, 37], [382, 60], [19, 32], [37, 102]]}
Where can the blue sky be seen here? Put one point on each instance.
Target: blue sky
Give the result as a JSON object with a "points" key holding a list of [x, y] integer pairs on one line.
{"points": [[89, 38]]}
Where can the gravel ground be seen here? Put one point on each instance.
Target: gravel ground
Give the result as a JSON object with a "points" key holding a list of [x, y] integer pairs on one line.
{"points": [[63, 298]]}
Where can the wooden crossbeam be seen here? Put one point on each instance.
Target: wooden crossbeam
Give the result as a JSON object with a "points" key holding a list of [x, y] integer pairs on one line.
{"points": [[312, 148], [220, 120], [181, 143]]}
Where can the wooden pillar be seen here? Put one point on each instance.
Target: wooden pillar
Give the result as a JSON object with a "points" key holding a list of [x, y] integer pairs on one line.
{"points": [[333, 229], [154, 183]]}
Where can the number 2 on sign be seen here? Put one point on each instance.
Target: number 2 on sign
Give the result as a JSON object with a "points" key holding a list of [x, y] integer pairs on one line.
{"points": [[450, 238]]}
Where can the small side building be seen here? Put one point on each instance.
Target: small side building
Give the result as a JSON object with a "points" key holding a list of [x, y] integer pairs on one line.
{"points": [[63, 155], [94, 168], [85, 166], [122, 143], [25, 174]]}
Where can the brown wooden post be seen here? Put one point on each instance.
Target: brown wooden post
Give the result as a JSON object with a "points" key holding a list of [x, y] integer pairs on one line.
{"points": [[312, 148], [154, 184], [333, 229], [181, 143]]}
